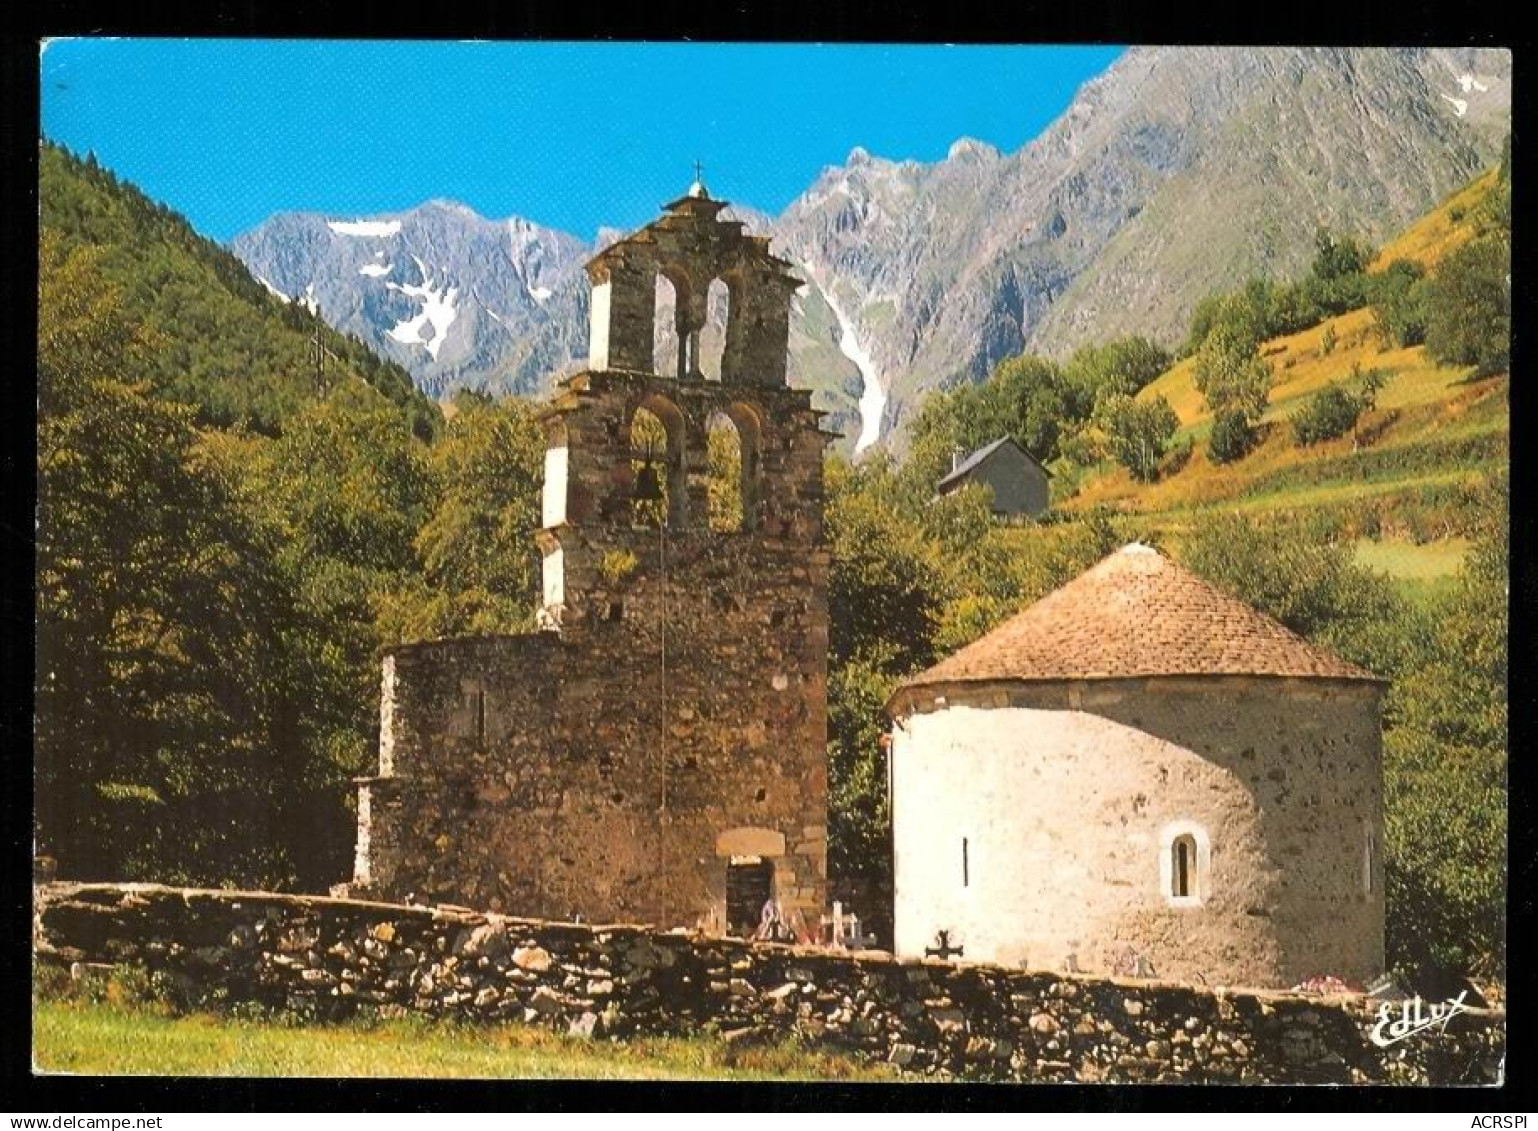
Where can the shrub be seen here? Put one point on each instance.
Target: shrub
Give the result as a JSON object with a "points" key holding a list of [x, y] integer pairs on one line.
{"points": [[616, 565], [1398, 298], [1327, 341], [1332, 412], [1233, 437]]}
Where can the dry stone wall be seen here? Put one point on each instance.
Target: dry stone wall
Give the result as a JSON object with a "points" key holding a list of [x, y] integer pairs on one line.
{"points": [[329, 957]]}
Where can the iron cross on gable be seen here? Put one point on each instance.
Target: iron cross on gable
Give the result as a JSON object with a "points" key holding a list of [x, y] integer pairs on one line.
{"points": [[943, 948]]}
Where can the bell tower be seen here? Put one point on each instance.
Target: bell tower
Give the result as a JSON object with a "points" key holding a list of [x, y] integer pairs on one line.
{"points": [[657, 752], [683, 557], [630, 458]]}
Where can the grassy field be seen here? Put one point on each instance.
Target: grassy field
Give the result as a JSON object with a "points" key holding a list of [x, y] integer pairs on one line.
{"points": [[106, 1038], [1439, 232]]}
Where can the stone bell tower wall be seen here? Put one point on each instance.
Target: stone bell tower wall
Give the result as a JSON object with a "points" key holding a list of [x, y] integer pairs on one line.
{"points": [[672, 717]]}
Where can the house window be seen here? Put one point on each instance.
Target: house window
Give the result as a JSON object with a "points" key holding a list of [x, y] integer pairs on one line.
{"points": [[1185, 864]]}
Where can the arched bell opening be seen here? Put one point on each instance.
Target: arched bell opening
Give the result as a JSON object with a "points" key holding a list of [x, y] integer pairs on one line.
{"points": [[658, 489], [712, 336]]}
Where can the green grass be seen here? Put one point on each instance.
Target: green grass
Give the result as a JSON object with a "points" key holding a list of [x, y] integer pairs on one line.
{"points": [[1405, 560], [107, 1038], [1420, 570]]}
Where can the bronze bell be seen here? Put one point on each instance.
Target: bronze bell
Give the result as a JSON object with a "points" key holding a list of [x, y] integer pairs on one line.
{"points": [[648, 487]]}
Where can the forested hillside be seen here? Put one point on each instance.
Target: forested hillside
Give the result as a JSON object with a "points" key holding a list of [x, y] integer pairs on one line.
{"points": [[224, 343], [223, 546]]}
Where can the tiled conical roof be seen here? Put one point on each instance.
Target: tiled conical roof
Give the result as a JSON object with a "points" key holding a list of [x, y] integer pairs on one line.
{"points": [[1137, 614]]}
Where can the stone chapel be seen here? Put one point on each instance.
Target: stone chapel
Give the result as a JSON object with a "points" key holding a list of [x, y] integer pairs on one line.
{"points": [[657, 751], [1141, 775]]}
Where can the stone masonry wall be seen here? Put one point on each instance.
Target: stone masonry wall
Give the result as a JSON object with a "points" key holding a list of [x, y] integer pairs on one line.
{"points": [[332, 956], [613, 769], [1071, 793]]}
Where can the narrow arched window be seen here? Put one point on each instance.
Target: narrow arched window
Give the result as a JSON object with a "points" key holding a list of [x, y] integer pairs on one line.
{"points": [[659, 490], [668, 350], [1185, 859], [1183, 867], [1369, 860]]}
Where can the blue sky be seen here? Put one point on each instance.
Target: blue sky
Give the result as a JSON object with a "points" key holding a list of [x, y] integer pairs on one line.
{"points": [[568, 135]]}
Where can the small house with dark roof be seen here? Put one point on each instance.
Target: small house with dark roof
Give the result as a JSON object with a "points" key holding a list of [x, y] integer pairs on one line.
{"points": [[1140, 774], [1017, 478]]}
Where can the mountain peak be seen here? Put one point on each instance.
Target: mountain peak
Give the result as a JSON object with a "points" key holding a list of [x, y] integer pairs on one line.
{"points": [[971, 149], [453, 207]]}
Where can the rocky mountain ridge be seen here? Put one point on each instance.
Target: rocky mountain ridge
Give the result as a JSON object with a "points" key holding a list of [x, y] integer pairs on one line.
{"points": [[1178, 171]]}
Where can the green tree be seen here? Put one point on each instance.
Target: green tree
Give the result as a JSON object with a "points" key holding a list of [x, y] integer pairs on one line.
{"points": [[479, 563], [1235, 381], [1468, 305], [1123, 365], [1300, 575], [1337, 281], [350, 487], [1335, 409], [1399, 302], [1230, 374], [162, 706], [1445, 755], [1138, 433], [887, 584], [860, 819], [1338, 256]]}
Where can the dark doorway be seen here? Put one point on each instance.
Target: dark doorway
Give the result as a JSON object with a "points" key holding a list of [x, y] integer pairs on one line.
{"points": [[749, 885]]}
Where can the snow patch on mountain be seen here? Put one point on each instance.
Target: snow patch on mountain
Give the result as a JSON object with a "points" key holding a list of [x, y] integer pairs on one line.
{"points": [[872, 396], [376, 270], [365, 227], [272, 289], [436, 316]]}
